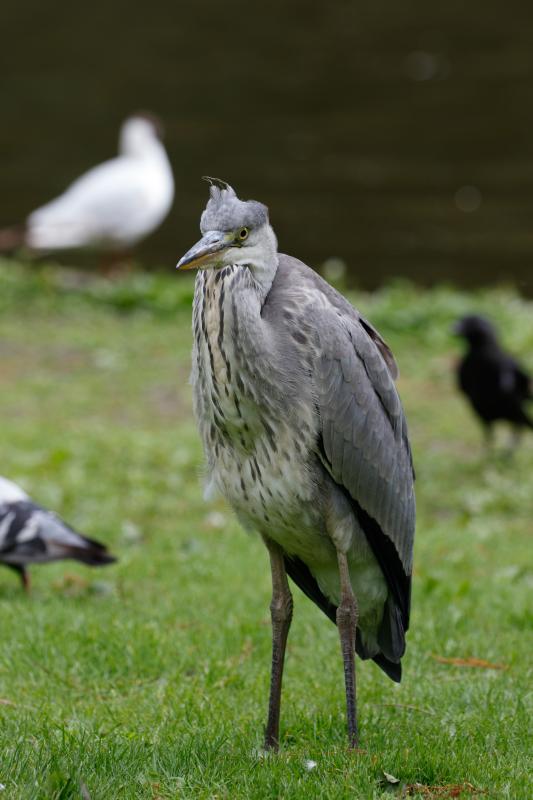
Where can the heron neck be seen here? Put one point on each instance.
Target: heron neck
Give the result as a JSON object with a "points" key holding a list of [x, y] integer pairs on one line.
{"points": [[262, 261], [263, 277]]}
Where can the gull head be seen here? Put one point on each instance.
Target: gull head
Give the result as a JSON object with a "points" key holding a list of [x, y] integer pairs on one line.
{"points": [[138, 133]]}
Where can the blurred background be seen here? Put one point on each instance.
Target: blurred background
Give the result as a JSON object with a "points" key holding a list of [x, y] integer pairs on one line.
{"points": [[396, 137]]}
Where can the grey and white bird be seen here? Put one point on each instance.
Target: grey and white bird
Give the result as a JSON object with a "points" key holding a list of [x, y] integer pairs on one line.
{"points": [[29, 534], [111, 207], [304, 434]]}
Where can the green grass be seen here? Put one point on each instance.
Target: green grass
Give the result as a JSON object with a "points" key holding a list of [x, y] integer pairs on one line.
{"points": [[149, 679]]}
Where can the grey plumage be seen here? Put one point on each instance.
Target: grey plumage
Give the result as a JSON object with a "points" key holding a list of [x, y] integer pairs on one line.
{"points": [[30, 534], [303, 432], [225, 211], [361, 431]]}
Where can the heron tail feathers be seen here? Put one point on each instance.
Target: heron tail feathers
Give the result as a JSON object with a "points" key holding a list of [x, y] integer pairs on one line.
{"points": [[391, 636]]}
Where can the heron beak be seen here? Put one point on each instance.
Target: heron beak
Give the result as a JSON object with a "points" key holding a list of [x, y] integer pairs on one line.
{"points": [[205, 251]]}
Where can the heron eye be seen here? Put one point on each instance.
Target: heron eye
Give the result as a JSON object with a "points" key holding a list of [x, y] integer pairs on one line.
{"points": [[243, 234]]}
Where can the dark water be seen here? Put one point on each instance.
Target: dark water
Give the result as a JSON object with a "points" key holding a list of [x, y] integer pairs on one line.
{"points": [[357, 123]]}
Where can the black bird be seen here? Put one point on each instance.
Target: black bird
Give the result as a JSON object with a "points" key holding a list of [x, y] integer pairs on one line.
{"points": [[29, 534], [496, 385]]}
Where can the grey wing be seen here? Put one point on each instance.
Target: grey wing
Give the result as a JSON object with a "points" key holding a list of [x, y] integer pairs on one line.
{"points": [[297, 279], [365, 444]]}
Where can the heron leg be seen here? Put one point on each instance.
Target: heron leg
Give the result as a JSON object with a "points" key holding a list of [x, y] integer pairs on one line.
{"points": [[347, 624], [281, 614]]}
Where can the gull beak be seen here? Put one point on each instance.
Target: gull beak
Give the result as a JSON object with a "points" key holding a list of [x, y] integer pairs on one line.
{"points": [[204, 252]]}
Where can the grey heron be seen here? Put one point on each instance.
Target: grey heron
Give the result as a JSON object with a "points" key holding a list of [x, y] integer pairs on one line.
{"points": [[29, 534], [304, 434]]}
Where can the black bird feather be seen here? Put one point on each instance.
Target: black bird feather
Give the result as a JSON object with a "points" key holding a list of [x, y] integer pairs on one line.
{"points": [[496, 385]]}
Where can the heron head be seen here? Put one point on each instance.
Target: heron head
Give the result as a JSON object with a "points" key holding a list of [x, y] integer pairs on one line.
{"points": [[235, 232]]}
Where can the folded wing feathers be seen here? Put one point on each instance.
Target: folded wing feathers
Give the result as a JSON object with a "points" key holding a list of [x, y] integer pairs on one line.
{"points": [[364, 429]]}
